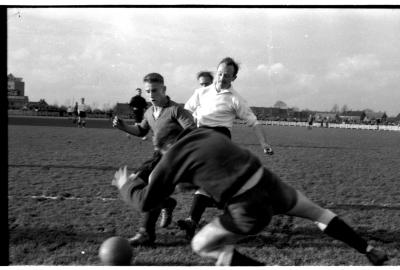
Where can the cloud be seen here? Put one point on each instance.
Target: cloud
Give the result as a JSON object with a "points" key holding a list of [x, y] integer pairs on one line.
{"points": [[357, 65]]}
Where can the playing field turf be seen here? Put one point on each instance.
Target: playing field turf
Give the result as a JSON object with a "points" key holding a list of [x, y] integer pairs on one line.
{"points": [[62, 206]]}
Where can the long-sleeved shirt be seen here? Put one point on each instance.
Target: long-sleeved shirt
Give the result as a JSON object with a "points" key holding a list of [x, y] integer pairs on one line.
{"points": [[202, 157], [212, 108], [171, 112]]}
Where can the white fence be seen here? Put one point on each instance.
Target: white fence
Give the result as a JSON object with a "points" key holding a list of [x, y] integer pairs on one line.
{"points": [[332, 125]]}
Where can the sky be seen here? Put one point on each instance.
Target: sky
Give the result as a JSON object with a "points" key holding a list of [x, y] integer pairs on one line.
{"points": [[310, 58]]}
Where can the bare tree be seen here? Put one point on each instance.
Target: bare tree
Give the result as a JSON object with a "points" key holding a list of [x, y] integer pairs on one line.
{"points": [[335, 108], [344, 109]]}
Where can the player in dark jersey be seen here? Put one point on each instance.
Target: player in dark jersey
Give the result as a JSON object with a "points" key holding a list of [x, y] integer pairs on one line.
{"points": [[237, 181], [163, 112], [138, 105]]}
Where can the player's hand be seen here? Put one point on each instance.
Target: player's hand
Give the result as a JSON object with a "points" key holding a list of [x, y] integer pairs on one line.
{"points": [[120, 177], [268, 150], [117, 122]]}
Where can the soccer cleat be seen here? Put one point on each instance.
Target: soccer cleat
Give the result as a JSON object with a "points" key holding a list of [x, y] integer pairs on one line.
{"points": [[166, 214], [142, 238], [376, 256], [189, 226]]}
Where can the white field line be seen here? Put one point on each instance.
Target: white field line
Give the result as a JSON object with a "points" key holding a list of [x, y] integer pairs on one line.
{"points": [[327, 205], [63, 198]]}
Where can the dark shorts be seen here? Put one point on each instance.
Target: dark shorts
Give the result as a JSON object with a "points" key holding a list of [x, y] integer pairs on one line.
{"points": [[223, 130], [251, 211], [82, 114], [147, 167]]}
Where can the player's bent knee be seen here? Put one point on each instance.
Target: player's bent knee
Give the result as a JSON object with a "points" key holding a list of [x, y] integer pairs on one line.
{"points": [[199, 244], [210, 238]]}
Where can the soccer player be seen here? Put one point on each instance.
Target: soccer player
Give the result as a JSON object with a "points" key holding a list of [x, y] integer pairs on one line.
{"points": [[82, 109], [311, 119], [75, 113], [216, 106], [235, 178], [205, 78], [163, 112], [138, 105]]}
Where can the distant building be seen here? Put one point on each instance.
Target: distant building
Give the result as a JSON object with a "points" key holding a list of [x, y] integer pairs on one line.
{"points": [[123, 110], [379, 117], [326, 116], [366, 116], [352, 116], [16, 92], [274, 113]]}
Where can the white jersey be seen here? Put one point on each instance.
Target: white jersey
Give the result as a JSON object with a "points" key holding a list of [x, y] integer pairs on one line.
{"points": [[212, 108], [83, 108]]}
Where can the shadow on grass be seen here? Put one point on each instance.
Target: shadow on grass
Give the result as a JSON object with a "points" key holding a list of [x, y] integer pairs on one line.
{"points": [[54, 237], [313, 237], [280, 237], [58, 237]]}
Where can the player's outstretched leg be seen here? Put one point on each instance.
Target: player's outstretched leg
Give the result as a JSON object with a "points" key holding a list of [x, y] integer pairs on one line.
{"points": [[166, 212], [146, 234], [199, 205], [335, 227], [214, 241]]}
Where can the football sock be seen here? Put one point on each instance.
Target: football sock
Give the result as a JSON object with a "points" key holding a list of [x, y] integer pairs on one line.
{"points": [[199, 205], [149, 220], [239, 259], [338, 229], [169, 203]]}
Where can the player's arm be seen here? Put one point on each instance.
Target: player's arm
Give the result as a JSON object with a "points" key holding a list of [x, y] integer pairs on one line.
{"points": [[140, 195], [245, 113], [261, 135], [131, 188], [138, 130], [193, 102], [185, 118]]}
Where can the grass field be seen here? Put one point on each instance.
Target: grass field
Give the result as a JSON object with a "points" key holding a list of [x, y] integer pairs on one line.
{"points": [[62, 206]]}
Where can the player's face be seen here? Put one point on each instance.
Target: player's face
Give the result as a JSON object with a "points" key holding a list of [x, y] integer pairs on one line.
{"points": [[205, 81], [225, 76], [139, 92], [155, 93]]}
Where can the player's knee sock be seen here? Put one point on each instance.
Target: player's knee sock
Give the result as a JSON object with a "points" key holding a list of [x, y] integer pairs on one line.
{"points": [[239, 259], [169, 203], [199, 205], [149, 221], [338, 229]]}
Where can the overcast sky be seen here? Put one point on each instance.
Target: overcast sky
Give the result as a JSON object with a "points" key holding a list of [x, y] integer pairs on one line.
{"points": [[308, 58]]}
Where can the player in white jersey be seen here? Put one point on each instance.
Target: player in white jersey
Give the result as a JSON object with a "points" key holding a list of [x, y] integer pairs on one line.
{"points": [[82, 109], [216, 106]]}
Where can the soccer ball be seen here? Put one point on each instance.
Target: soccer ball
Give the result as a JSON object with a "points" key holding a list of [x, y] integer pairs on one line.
{"points": [[115, 251]]}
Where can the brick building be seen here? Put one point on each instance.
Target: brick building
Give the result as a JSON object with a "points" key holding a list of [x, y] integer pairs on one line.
{"points": [[16, 92]]}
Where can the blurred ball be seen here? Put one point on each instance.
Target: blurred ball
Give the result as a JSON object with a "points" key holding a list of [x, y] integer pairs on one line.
{"points": [[115, 251]]}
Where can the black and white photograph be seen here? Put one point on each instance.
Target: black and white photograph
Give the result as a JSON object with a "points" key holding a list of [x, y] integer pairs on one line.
{"points": [[203, 135]]}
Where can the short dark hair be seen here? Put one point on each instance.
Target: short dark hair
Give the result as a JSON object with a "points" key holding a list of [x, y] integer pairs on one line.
{"points": [[153, 78], [230, 62], [138, 89], [167, 135], [205, 74]]}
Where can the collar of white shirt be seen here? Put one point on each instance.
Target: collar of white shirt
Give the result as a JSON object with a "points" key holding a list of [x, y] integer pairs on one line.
{"points": [[223, 91]]}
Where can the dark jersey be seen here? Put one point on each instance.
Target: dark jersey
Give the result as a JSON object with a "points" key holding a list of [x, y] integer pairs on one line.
{"points": [[138, 103], [172, 112], [202, 157]]}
